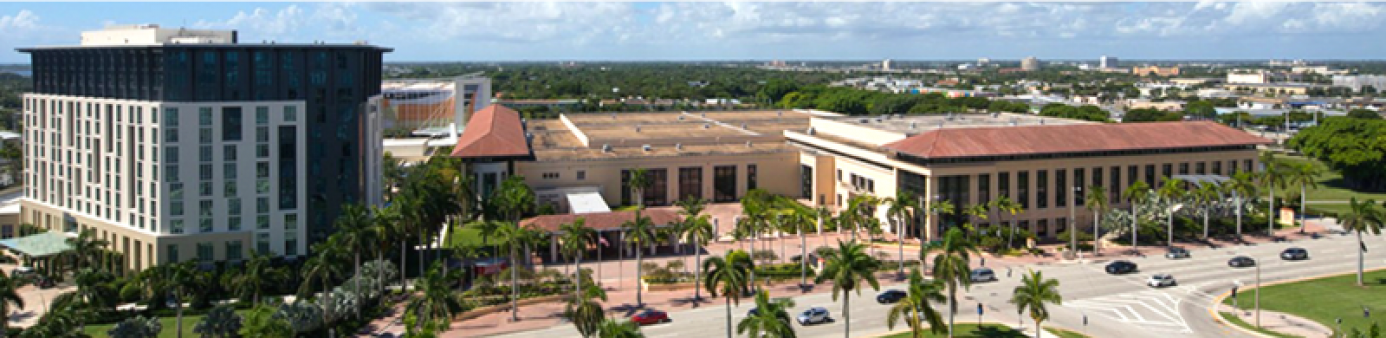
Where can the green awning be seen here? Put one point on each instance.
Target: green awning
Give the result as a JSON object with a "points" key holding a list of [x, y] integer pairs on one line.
{"points": [[38, 245]]}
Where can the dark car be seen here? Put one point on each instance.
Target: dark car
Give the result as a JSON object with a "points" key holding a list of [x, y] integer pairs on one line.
{"points": [[648, 317], [890, 296], [813, 259], [1294, 254], [1241, 262], [1121, 267], [1177, 253]]}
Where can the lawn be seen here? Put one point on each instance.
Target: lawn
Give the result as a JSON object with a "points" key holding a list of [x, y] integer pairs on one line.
{"points": [[1239, 322], [464, 236], [1331, 188], [1325, 300], [972, 330], [170, 326]]}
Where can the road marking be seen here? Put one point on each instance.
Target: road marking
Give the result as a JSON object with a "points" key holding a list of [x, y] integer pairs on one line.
{"points": [[1153, 310]]}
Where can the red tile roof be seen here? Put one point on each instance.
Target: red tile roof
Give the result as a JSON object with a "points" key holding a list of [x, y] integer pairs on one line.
{"points": [[603, 220], [1059, 139], [494, 131]]}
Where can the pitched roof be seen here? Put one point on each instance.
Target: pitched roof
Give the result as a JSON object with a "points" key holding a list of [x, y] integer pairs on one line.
{"points": [[1059, 139], [494, 131], [602, 221]]}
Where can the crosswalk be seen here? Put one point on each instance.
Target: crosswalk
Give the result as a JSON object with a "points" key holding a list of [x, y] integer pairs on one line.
{"points": [[1151, 310]]}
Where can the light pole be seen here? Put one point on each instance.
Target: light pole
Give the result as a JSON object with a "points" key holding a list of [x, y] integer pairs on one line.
{"points": [[1073, 219], [1258, 295]]}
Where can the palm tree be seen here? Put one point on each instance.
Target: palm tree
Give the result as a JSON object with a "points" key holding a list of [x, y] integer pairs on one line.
{"points": [[9, 295], [952, 268], [726, 278], [1096, 202], [1241, 185], [576, 238], [322, 268], [637, 182], [585, 312], [1006, 205], [436, 302], [639, 232], [1362, 217], [261, 321], [1273, 177], [183, 277], [1206, 197], [698, 231], [1171, 192], [860, 208], [771, 319], [222, 321], [138, 327], [85, 247], [800, 219], [1033, 293], [1136, 194], [383, 232], [847, 268], [354, 227], [1304, 175], [900, 210], [255, 277], [612, 328], [489, 229], [514, 238], [917, 308]]}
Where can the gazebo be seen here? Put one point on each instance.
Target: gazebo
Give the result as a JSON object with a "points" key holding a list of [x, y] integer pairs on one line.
{"points": [[38, 248]]}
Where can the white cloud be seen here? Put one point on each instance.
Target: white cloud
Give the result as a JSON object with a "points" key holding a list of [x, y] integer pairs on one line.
{"points": [[261, 23], [22, 21]]}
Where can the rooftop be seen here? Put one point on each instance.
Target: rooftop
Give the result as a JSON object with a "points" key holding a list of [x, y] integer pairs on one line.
{"points": [[918, 124], [665, 133], [1060, 139], [493, 132]]}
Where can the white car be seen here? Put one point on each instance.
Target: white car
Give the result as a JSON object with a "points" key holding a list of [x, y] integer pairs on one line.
{"points": [[1161, 280], [983, 275], [814, 316]]}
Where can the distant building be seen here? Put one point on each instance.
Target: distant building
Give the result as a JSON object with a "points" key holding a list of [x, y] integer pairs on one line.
{"points": [[1357, 82], [982, 62], [1156, 71], [1029, 64], [885, 65], [1108, 62], [953, 93], [1248, 77], [431, 106]]}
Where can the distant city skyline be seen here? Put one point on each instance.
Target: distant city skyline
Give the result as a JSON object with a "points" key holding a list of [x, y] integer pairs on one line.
{"points": [[626, 31]]}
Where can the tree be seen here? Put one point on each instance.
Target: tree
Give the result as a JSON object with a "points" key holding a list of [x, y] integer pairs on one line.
{"points": [[1349, 146], [1006, 205], [255, 277], [900, 210], [262, 321], [9, 295], [637, 182], [612, 328], [1305, 175], [584, 311], [514, 238], [85, 247], [917, 308], [1200, 109], [136, 327], [1363, 114], [1171, 193], [184, 278], [771, 319], [1241, 185], [640, 232], [1361, 218], [576, 238], [1096, 202], [848, 267], [726, 278], [1136, 194], [1272, 178], [437, 303], [698, 231], [952, 268], [1207, 197], [1148, 115], [221, 322], [1033, 293], [354, 228]]}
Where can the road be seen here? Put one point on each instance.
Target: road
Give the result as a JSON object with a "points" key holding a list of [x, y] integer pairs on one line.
{"points": [[1115, 306]]}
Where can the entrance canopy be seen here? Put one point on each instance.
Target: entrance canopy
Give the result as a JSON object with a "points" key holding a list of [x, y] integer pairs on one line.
{"points": [[38, 245], [1199, 180], [587, 202]]}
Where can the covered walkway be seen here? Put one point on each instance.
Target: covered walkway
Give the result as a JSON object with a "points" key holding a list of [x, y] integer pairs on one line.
{"points": [[38, 249]]}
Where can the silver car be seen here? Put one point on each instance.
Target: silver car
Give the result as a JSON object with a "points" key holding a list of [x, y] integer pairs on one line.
{"points": [[814, 316], [1161, 280], [983, 275]]}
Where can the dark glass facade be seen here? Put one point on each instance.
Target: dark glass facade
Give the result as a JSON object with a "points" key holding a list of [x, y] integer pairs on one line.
{"points": [[334, 81]]}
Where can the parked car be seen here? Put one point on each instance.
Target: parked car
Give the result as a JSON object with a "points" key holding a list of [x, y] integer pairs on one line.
{"points": [[814, 316], [1241, 262], [813, 259], [890, 296], [1294, 254], [1177, 253], [983, 275], [1161, 280], [648, 317], [1120, 267], [22, 271]]}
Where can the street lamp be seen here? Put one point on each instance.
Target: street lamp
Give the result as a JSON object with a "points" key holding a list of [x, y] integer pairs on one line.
{"points": [[1073, 219]]}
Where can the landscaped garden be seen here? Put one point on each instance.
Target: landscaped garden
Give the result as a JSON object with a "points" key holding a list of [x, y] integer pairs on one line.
{"points": [[1325, 300]]}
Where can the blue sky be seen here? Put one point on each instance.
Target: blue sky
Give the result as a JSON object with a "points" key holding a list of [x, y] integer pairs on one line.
{"points": [[536, 31]]}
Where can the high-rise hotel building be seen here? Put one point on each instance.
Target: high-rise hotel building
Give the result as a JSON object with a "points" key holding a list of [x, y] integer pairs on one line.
{"points": [[177, 144]]}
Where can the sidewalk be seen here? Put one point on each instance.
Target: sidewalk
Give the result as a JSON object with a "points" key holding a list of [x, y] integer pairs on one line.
{"points": [[1280, 322]]}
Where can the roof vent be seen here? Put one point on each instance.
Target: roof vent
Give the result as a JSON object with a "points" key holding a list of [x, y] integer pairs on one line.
{"points": [[606, 148], [637, 128], [811, 131], [863, 120], [613, 116], [1014, 121], [707, 125], [995, 114], [748, 144], [914, 125], [779, 113], [678, 146], [940, 124], [1041, 122], [680, 117], [703, 114], [878, 120], [743, 126], [645, 147]]}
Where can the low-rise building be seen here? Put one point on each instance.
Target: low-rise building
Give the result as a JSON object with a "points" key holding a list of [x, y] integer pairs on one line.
{"points": [[1155, 71]]}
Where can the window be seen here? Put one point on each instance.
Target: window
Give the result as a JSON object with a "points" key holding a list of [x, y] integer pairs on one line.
{"points": [[806, 182], [262, 243], [581, 175], [262, 170], [1114, 188], [204, 116], [261, 134], [205, 252], [262, 186], [204, 189], [751, 177], [175, 208], [1061, 188], [233, 206], [175, 190], [171, 155], [204, 172], [657, 194], [549, 176], [261, 116], [172, 253], [205, 225], [204, 135], [262, 205], [1184, 168], [290, 113], [175, 226], [262, 151], [229, 188], [170, 134], [1003, 185], [1217, 167], [262, 222], [1200, 168], [690, 183], [171, 117], [724, 183], [233, 223], [1080, 191], [1042, 189], [228, 153], [1022, 181], [228, 171], [233, 250], [231, 124], [1043, 228], [983, 189], [204, 153], [290, 222]]}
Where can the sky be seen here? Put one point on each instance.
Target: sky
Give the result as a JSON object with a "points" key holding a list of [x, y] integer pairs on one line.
{"points": [[676, 31]]}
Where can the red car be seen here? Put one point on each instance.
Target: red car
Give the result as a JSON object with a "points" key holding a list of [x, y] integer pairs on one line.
{"points": [[648, 317]]}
